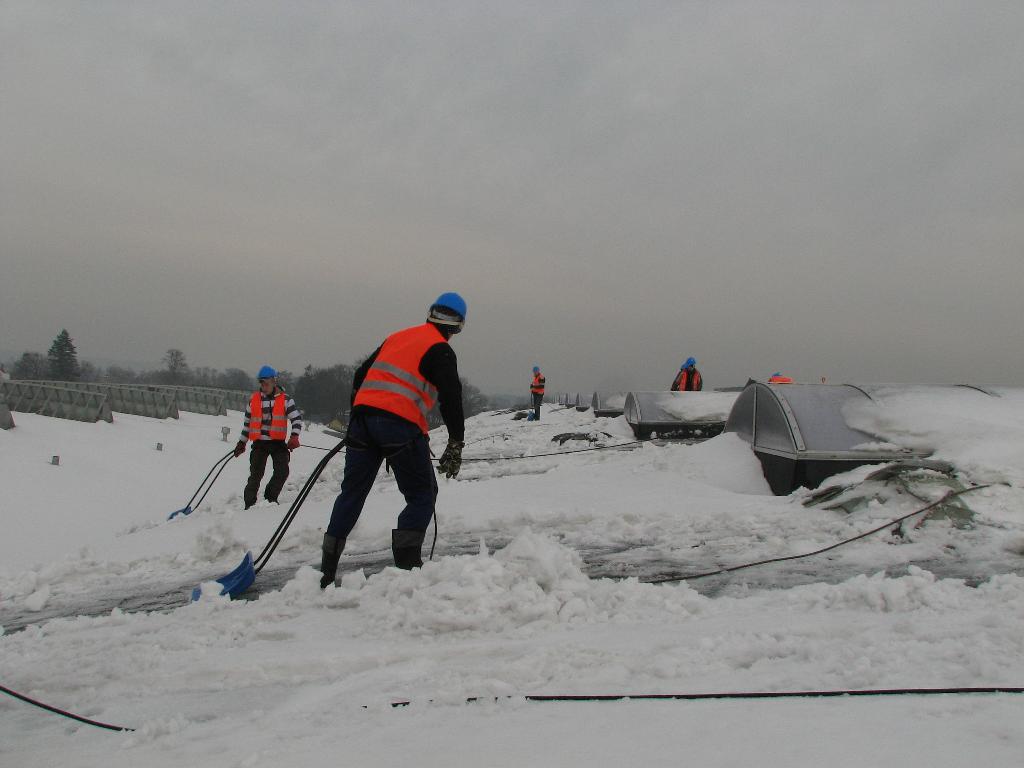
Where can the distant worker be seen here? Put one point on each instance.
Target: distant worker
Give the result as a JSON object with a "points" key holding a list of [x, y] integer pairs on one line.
{"points": [[4, 375], [392, 393], [537, 392], [266, 426], [778, 378], [688, 379]]}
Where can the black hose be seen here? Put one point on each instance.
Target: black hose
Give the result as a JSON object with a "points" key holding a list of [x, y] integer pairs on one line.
{"points": [[576, 698], [225, 458], [293, 510], [557, 453], [732, 568], [212, 482], [743, 695], [314, 447], [434, 544], [63, 712]]}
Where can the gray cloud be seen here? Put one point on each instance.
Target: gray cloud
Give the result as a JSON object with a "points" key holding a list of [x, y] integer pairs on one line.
{"points": [[829, 189]]}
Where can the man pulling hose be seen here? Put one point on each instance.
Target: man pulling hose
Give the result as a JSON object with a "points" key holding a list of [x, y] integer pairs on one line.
{"points": [[392, 393]]}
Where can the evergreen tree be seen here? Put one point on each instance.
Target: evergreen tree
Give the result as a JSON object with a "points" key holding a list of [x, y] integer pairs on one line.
{"points": [[63, 358]]}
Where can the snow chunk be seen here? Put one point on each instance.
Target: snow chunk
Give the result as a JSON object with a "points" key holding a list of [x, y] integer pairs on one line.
{"points": [[38, 599], [212, 590], [548, 562]]}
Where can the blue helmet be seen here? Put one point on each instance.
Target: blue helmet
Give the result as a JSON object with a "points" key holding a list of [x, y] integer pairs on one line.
{"points": [[536, 369], [449, 310], [690, 362], [266, 372]]}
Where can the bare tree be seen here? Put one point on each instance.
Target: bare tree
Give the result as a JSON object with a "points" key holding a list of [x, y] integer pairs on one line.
{"points": [[176, 368], [31, 365]]}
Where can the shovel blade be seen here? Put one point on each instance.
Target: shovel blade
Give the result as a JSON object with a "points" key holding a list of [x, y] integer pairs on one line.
{"points": [[236, 582], [185, 511]]}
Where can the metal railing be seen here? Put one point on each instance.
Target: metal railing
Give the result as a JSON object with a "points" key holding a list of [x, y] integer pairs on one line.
{"points": [[52, 399], [6, 420], [134, 400], [235, 399], [184, 398]]}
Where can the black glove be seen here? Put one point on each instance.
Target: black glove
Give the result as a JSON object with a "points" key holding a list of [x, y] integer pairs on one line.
{"points": [[239, 448], [451, 460]]}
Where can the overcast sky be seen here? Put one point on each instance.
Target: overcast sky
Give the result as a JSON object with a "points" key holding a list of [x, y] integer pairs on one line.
{"points": [[826, 189]]}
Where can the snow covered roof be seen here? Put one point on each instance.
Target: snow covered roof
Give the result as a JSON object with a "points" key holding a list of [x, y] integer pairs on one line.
{"points": [[648, 412], [678, 406], [810, 420]]}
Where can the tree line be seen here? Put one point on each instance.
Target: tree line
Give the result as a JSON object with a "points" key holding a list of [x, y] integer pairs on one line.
{"points": [[61, 363], [326, 393], [322, 394]]}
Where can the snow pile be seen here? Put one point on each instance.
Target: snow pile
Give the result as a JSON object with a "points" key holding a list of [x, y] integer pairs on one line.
{"points": [[725, 462], [980, 435], [528, 585]]}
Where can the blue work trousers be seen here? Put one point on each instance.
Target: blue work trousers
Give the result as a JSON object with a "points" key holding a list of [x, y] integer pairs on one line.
{"points": [[372, 438]]}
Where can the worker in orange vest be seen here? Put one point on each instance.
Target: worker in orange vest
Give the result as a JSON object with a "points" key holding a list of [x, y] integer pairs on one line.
{"points": [[537, 392], [688, 379], [392, 393], [266, 427], [778, 378]]}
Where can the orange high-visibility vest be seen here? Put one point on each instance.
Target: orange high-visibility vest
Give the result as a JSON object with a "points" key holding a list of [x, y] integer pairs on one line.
{"points": [[780, 380], [537, 387], [278, 429], [684, 379], [394, 382]]}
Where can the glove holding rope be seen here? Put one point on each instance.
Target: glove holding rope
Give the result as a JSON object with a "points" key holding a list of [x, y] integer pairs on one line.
{"points": [[239, 448], [451, 460]]}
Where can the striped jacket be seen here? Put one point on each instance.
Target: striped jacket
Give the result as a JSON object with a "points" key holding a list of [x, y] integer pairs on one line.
{"points": [[291, 411]]}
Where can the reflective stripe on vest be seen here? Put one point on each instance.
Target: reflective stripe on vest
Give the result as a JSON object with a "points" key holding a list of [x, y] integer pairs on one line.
{"points": [[394, 383], [278, 428], [537, 387]]}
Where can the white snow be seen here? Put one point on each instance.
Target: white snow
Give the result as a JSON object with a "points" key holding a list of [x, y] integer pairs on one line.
{"points": [[978, 433], [301, 676], [698, 406]]}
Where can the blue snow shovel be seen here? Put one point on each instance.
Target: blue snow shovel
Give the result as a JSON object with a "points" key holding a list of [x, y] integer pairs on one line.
{"points": [[240, 579], [188, 509], [236, 582]]}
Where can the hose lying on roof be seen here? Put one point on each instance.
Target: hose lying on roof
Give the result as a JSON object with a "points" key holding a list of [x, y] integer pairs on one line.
{"points": [[895, 521]]}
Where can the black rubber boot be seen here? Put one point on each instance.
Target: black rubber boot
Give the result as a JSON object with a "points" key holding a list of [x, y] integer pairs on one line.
{"points": [[406, 546], [332, 550]]}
